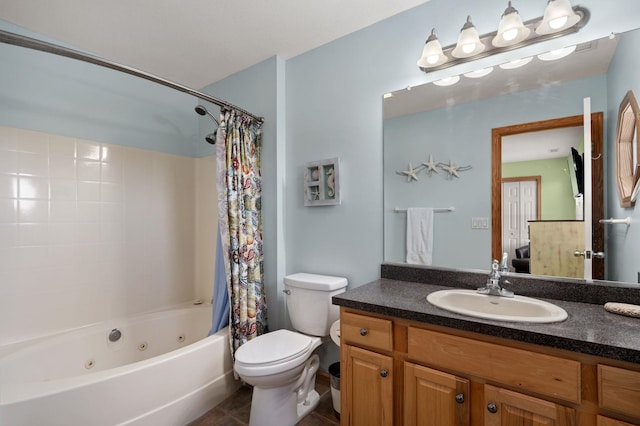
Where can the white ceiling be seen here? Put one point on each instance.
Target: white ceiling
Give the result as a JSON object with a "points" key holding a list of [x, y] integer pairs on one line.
{"points": [[197, 42], [543, 145]]}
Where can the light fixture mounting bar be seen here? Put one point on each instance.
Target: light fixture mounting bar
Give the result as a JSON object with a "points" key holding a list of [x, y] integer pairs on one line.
{"points": [[492, 50]]}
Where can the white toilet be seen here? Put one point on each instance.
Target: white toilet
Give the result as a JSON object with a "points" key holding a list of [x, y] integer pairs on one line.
{"points": [[281, 365]]}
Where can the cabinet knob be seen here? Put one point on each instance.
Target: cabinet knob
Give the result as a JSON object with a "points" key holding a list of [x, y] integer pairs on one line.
{"points": [[493, 408], [460, 398], [364, 331], [384, 373]]}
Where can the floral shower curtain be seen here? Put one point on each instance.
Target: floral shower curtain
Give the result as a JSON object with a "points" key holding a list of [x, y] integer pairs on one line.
{"points": [[239, 183]]}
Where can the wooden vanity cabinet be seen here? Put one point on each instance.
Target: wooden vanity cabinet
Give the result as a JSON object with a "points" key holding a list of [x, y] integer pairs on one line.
{"points": [[401, 372]]}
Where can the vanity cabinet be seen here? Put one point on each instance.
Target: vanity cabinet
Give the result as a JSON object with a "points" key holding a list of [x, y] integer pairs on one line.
{"points": [[403, 372]]}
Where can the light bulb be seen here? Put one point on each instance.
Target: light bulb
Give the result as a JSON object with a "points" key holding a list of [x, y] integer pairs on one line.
{"points": [[447, 81], [510, 34], [468, 48], [432, 59], [558, 22], [516, 63]]}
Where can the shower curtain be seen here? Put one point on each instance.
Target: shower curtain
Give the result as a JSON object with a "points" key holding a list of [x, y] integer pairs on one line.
{"points": [[239, 184]]}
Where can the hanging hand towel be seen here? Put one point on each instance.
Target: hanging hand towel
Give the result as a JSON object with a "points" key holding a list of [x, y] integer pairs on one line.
{"points": [[420, 236]]}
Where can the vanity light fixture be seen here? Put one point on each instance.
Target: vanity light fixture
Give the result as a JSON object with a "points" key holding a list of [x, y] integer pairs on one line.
{"points": [[448, 81], [511, 30], [479, 73], [558, 16], [469, 43], [557, 54], [559, 19], [516, 63], [432, 54]]}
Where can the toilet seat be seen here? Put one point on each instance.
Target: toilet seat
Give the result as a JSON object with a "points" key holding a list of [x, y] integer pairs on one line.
{"points": [[273, 352]]}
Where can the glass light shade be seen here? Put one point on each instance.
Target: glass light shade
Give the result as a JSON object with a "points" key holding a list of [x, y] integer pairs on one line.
{"points": [[516, 64], [557, 54], [432, 54], [449, 81], [479, 73], [511, 30], [469, 43], [558, 16]]}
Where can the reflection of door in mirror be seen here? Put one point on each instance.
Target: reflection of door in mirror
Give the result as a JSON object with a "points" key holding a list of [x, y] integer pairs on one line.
{"points": [[520, 204], [500, 134]]}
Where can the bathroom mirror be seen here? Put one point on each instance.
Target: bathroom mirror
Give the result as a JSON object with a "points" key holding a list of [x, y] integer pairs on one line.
{"points": [[454, 125]]}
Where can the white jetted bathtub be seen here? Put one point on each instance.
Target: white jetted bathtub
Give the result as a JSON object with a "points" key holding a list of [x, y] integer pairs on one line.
{"points": [[163, 370]]}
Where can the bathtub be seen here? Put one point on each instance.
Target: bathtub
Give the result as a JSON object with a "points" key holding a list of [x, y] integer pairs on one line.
{"points": [[163, 370]]}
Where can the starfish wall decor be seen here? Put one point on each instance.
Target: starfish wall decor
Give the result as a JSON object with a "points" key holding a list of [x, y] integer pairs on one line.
{"points": [[431, 167]]}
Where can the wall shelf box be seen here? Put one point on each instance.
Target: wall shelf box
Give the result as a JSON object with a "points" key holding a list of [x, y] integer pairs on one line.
{"points": [[322, 182]]}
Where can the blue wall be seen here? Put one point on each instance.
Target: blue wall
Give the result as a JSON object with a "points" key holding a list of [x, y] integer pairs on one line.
{"points": [[49, 93], [622, 242], [334, 108]]}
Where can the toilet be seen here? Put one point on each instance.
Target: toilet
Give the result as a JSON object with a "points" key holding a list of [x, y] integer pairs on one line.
{"points": [[281, 365]]}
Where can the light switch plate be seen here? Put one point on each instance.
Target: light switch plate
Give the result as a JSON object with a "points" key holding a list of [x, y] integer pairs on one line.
{"points": [[479, 223]]}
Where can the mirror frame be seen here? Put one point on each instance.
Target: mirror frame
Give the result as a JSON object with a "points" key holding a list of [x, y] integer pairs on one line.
{"points": [[628, 124], [597, 172]]}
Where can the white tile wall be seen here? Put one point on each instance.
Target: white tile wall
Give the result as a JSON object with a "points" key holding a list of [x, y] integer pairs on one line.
{"points": [[92, 231]]}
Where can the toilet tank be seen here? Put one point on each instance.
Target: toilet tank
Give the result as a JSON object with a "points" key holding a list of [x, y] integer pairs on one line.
{"points": [[309, 301]]}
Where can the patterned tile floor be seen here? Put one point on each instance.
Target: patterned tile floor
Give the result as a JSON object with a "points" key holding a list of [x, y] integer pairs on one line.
{"points": [[234, 411]]}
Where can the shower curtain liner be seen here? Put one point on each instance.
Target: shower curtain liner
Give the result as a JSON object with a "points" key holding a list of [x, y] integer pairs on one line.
{"points": [[220, 317], [239, 184]]}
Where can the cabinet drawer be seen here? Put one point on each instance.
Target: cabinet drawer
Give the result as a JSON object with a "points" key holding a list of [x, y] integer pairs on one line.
{"points": [[619, 390], [530, 371], [362, 330]]}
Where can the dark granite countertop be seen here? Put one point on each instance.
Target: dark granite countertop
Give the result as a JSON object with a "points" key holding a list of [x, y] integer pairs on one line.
{"points": [[589, 329]]}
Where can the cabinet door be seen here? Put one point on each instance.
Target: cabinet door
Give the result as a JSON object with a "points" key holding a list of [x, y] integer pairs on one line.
{"points": [[434, 398], [368, 388], [506, 407], [606, 421]]}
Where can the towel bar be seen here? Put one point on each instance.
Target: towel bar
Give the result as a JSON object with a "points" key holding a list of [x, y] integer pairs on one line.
{"points": [[440, 209]]}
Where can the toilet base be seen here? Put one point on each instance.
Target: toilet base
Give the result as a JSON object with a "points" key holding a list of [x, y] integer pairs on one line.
{"points": [[270, 407], [314, 399], [286, 405]]}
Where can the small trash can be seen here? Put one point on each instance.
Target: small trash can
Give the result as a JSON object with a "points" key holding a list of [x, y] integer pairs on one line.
{"points": [[334, 373]]}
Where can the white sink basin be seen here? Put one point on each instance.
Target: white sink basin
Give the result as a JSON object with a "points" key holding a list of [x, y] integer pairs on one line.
{"points": [[512, 309]]}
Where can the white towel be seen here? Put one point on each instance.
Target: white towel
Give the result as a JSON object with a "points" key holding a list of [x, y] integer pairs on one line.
{"points": [[420, 236]]}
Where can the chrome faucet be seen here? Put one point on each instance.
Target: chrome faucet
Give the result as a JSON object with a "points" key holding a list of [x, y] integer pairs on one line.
{"points": [[493, 287]]}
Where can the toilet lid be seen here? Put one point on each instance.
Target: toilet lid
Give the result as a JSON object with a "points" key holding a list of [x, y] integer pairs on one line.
{"points": [[274, 347]]}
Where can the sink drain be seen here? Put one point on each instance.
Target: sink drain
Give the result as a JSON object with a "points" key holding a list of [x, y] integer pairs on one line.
{"points": [[180, 338], [89, 364], [142, 346]]}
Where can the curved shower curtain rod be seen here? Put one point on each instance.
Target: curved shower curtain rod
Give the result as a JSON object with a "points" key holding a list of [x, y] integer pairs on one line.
{"points": [[32, 43]]}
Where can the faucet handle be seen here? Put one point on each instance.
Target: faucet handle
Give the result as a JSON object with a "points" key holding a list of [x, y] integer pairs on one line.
{"points": [[504, 265]]}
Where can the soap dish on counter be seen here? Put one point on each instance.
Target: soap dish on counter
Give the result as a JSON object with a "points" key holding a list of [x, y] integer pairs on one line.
{"points": [[623, 309]]}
